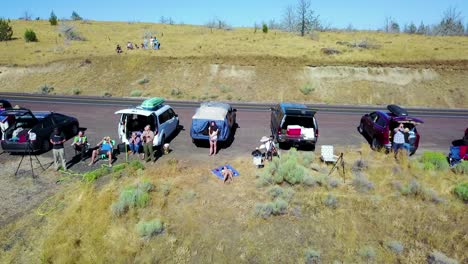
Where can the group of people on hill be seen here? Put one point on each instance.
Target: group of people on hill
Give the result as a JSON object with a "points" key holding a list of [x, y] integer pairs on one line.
{"points": [[152, 43]]}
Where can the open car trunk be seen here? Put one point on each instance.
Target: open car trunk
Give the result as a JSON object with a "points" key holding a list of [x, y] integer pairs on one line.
{"points": [[299, 127], [130, 123]]}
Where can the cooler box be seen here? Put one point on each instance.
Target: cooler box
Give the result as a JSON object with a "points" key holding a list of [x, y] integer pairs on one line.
{"points": [[294, 130]]}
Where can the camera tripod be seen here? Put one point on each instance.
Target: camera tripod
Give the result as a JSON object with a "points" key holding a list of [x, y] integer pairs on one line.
{"points": [[339, 163], [29, 151]]}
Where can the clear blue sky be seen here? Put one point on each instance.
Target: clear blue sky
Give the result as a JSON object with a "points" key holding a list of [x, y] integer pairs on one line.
{"points": [[362, 14]]}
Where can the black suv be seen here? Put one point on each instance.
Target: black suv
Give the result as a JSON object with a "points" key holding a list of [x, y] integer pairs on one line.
{"points": [[294, 125]]}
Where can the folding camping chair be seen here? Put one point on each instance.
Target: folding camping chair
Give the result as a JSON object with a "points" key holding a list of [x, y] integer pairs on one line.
{"points": [[327, 155]]}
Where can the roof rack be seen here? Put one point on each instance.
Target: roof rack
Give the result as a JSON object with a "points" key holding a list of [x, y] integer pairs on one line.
{"points": [[152, 103]]}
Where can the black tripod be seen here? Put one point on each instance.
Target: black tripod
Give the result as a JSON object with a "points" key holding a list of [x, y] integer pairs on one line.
{"points": [[339, 163], [29, 151]]}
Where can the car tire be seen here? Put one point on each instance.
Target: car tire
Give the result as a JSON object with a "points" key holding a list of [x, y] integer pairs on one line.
{"points": [[375, 145]]}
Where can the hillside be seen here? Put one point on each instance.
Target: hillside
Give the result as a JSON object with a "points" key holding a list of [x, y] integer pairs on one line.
{"points": [[198, 63]]}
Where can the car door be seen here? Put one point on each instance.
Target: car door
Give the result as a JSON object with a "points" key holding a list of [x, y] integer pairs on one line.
{"points": [[172, 120], [369, 121], [44, 128]]}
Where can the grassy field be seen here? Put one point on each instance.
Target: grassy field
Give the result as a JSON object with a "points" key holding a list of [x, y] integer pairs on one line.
{"points": [[383, 211], [196, 63]]}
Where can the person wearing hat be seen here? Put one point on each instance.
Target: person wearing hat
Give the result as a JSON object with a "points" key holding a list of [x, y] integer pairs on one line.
{"points": [[57, 139]]}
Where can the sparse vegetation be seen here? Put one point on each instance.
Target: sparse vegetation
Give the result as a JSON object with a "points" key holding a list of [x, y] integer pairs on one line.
{"points": [[434, 160], [395, 246], [306, 89], [331, 201], [136, 93], [461, 168], [70, 32], [76, 91], [367, 253], [142, 81], [437, 257], [149, 229], [45, 89], [312, 256], [361, 183], [132, 197], [461, 190]]}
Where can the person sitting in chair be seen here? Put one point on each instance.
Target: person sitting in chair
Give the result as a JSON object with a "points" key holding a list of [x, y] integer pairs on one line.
{"points": [[134, 143], [105, 148], [80, 144]]}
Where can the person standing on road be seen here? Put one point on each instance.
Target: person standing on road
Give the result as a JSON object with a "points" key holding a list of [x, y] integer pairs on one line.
{"points": [[57, 139], [147, 138], [213, 133]]}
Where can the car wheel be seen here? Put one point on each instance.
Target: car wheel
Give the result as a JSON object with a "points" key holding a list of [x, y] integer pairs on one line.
{"points": [[375, 144], [361, 128]]}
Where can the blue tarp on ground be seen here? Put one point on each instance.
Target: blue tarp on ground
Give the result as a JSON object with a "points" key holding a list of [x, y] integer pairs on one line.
{"points": [[217, 171]]}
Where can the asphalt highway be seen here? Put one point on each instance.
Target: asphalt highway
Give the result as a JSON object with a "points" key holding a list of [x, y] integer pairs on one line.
{"points": [[337, 124]]}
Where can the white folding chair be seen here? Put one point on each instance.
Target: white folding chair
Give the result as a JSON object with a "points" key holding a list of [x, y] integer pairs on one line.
{"points": [[327, 155]]}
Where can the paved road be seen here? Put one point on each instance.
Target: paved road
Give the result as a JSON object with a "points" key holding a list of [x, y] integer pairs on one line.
{"points": [[337, 123]]}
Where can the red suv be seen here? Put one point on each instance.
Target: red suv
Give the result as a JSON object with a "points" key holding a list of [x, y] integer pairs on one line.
{"points": [[378, 127]]}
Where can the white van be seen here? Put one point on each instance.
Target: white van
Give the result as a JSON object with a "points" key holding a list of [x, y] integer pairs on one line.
{"points": [[161, 118]]}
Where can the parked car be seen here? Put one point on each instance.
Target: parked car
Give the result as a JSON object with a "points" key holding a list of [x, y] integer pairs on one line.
{"points": [[378, 127], [35, 128], [294, 124], [221, 113], [4, 104], [154, 112]]}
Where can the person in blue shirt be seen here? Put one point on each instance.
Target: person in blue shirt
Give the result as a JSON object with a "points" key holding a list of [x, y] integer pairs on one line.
{"points": [[105, 147]]}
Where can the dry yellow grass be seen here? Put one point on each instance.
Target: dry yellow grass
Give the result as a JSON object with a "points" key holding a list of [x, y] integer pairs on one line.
{"points": [[207, 221], [185, 41]]}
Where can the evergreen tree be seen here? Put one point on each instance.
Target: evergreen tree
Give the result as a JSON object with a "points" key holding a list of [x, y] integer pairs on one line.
{"points": [[75, 16], [5, 30], [53, 19]]}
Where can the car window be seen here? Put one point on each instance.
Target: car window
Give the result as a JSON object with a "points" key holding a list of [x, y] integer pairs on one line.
{"points": [[374, 116], [380, 121], [58, 118], [164, 117], [47, 123], [303, 121], [171, 113]]}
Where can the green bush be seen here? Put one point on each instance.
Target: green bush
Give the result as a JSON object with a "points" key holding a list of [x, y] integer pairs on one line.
{"points": [[276, 191], [143, 81], [137, 165], [76, 91], [91, 176], [30, 35], [306, 89], [395, 246], [461, 168], [461, 190], [45, 89], [53, 19], [119, 167], [367, 253], [280, 206], [312, 257], [264, 210], [132, 197], [331, 201], [150, 228], [437, 159], [264, 28], [135, 93], [437, 257], [6, 31]]}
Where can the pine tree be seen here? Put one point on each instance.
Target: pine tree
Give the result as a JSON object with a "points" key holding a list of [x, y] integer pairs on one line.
{"points": [[53, 19], [5, 30]]}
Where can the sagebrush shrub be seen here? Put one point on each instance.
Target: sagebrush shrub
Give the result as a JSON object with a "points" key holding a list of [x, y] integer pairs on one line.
{"points": [[361, 183], [461, 168], [331, 201], [437, 159], [280, 206], [395, 246], [150, 228], [312, 256], [264, 210], [143, 81], [461, 190], [367, 253], [132, 197], [437, 257], [137, 165], [30, 36], [275, 191], [45, 89], [135, 93]]}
